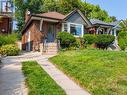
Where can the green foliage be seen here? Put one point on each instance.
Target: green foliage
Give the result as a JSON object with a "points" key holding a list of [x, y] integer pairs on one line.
{"points": [[89, 38], [80, 43], [101, 72], [122, 40], [38, 81], [8, 39], [9, 50], [66, 39], [104, 40], [123, 25]]}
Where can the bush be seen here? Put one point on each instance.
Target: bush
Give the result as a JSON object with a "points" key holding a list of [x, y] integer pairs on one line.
{"points": [[122, 40], [89, 38], [9, 50], [8, 39], [66, 39], [122, 44], [104, 40]]}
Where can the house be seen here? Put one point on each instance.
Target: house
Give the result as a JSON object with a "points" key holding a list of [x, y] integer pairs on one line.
{"points": [[43, 28], [6, 16], [101, 27], [5, 24]]}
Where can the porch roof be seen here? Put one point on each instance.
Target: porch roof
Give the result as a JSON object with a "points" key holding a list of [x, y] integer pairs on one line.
{"points": [[116, 24], [99, 22]]}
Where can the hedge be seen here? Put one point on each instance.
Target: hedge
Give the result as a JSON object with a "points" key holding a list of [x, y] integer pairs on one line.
{"points": [[8, 39], [104, 40], [122, 40], [89, 38], [66, 39]]}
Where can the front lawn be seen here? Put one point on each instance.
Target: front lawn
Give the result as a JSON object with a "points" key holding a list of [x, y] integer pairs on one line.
{"points": [[38, 81], [100, 72]]}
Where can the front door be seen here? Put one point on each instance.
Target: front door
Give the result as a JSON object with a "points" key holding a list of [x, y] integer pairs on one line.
{"points": [[51, 33]]}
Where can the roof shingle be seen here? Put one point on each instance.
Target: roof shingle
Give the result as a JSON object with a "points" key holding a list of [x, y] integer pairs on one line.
{"points": [[54, 15]]}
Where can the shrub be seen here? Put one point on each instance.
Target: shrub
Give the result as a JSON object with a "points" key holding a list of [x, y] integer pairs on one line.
{"points": [[89, 38], [9, 50], [8, 39], [66, 39], [122, 40], [104, 40], [122, 44]]}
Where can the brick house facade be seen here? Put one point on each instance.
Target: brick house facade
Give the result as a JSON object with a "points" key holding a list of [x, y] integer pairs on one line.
{"points": [[43, 28]]}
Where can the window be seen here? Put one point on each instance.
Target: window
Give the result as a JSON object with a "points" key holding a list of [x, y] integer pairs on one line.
{"points": [[76, 29], [65, 27]]}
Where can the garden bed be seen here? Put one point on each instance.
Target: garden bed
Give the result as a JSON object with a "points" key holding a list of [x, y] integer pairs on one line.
{"points": [[100, 72]]}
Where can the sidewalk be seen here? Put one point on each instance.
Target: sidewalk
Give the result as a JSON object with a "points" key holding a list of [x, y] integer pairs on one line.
{"points": [[70, 87]]}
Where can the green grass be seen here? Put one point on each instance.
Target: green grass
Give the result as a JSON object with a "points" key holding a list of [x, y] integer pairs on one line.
{"points": [[100, 72], [38, 81]]}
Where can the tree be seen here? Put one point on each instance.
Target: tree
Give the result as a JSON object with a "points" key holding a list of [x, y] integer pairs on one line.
{"points": [[113, 18], [123, 25], [21, 6]]}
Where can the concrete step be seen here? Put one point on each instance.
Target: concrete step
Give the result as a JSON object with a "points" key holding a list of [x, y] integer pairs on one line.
{"points": [[51, 49]]}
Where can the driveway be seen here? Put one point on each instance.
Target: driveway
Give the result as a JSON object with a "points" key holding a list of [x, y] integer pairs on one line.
{"points": [[11, 77]]}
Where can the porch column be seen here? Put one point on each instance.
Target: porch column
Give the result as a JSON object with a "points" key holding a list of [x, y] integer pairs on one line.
{"points": [[114, 32], [68, 27], [41, 23], [62, 27], [109, 31], [97, 31]]}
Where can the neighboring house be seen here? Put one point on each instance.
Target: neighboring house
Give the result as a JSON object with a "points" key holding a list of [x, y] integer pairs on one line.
{"points": [[43, 28], [6, 16], [101, 27], [115, 30], [5, 24]]}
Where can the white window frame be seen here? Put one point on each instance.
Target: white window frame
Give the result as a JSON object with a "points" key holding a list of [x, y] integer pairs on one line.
{"points": [[68, 28]]}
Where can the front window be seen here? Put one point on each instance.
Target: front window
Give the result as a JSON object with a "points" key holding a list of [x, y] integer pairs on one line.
{"points": [[76, 29]]}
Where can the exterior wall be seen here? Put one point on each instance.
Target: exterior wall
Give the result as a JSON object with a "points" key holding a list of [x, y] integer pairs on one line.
{"points": [[76, 18], [37, 37], [5, 25]]}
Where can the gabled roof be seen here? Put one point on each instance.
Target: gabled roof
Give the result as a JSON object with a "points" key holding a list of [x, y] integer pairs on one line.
{"points": [[81, 14], [116, 24], [54, 15], [99, 22]]}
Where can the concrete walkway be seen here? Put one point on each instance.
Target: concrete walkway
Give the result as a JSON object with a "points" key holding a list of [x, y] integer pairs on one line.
{"points": [[11, 78], [70, 87]]}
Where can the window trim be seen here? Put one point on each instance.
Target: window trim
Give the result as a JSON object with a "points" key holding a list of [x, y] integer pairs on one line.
{"points": [[68, 28]]}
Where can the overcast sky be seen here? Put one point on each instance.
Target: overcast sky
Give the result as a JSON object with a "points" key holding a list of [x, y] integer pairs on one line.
{"points": [[117, 8]]}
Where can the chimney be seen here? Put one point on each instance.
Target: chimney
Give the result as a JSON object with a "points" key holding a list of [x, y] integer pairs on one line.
{"points": [[27, 15]]}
